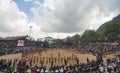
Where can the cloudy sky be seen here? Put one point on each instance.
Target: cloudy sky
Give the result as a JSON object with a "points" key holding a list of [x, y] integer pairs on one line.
{"points": [[56, 18]]}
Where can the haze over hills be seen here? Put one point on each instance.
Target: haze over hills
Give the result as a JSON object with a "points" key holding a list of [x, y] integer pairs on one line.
{"points": [[107, 32], [113, 21]]}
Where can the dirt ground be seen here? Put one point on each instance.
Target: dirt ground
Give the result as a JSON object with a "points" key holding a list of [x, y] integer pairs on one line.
{"points": [[56, 53]]}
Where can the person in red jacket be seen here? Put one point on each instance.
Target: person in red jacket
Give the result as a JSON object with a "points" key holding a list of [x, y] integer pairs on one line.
{"points": [[34, 70], [19, 69]]}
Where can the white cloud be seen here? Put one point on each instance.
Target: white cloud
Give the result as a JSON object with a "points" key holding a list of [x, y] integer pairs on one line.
{"points": [[68, 16], [28, 0], [49, 4], [56, 18], [13, 21]]}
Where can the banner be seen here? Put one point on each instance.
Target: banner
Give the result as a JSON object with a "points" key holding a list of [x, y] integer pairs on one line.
{"points": [[20, 43]]}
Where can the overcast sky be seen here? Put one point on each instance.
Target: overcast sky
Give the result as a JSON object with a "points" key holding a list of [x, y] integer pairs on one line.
{"points": [[55, 18]]}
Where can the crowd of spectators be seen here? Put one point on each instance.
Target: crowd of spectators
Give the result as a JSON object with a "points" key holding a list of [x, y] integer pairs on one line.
{"points": [[98, 66], [95, 48]]}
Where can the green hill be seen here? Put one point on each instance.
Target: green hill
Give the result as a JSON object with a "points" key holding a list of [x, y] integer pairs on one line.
{"points": [[111, 29], [113, 21]]}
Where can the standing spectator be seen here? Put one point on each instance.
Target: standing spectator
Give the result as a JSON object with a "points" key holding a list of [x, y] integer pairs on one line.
{"points": [[101, 69]]}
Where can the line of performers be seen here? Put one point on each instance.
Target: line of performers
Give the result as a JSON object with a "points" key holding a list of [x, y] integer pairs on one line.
{"points": [[42, 60]]}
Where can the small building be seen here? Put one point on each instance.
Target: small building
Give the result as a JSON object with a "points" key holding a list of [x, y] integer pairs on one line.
{"points": [[12, 41]]}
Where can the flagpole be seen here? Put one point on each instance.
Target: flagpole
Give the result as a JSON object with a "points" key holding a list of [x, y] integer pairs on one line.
{"points": [[30, 31]]}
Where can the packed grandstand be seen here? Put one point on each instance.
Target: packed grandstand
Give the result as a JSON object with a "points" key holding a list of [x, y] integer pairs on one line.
{"points": [[20, 55]]}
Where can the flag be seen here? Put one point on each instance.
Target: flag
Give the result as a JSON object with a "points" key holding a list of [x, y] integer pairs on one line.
{"points": [[20, 43]]}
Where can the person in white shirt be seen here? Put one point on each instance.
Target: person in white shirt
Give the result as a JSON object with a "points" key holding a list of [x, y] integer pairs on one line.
{"points": [[28, 71], [46, 71], [38, 70], [110, 68], [56, 71], [61, 70], [101, 69], [69, 71], [42, 71]]}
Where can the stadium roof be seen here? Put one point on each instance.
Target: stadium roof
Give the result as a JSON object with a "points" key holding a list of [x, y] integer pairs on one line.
{"points": [[14, 38]]}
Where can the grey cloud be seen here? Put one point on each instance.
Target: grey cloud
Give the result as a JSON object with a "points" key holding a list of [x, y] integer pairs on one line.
{"points": [[107, 6], [75, 15]]}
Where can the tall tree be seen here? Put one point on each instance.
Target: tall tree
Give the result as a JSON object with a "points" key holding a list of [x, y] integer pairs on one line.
{"points": [[89, 36], [76, 38]]}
